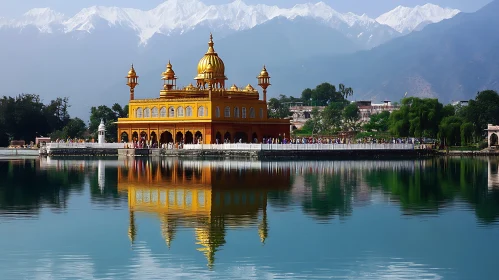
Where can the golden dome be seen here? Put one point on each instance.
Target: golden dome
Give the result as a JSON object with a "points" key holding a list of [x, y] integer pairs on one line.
{"points": [[169, 73], [264, 73], [249, 88], [211, 57], [234, 87], [190, 87], [131, 73]]}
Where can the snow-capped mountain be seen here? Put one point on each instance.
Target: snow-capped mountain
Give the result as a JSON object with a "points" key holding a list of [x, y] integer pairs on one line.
{"points": [[183, 15], [405, 19]]}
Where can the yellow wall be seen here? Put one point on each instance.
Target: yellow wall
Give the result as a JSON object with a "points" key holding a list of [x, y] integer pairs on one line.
{"points": [[158, 103]]}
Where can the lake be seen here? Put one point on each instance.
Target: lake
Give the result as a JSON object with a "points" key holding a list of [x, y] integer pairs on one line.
{"points": [[162, 218]]}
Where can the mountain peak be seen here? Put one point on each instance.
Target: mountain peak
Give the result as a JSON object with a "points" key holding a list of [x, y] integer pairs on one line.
{"points": [[406, 19]]}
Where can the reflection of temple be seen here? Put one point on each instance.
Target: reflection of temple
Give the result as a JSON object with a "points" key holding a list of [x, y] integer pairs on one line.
{"points": [[198, 194], [493, 173]]}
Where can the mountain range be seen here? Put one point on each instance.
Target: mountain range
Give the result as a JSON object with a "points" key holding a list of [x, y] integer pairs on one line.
{"points": [[82, 56]]}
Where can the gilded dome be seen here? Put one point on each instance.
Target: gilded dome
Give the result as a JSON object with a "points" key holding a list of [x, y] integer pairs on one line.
{"points": [[211, 57], [264, 72], [249, 88], [234, 87], [131, 73], [169, 73]]}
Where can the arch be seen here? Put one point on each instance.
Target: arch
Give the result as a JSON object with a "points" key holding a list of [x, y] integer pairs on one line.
{"points": [[179, 137], [241, 137], [201, 111], [261, 113], [154, 138], [166, 137], [162, 112], [493, 140], [189, 138], [218, 137], [180, 111], [171, 112], [135, 136], [227, 137], [139, 113], [254, 137], [188, 111], [227, 112], [243, 111], [198, 137], [252, 113], [124, 137], [217, 112], [147, 113], [154, 112], [236, 112]]}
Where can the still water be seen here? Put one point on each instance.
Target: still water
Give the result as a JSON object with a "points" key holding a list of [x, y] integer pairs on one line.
{"points": [[169, 219]]}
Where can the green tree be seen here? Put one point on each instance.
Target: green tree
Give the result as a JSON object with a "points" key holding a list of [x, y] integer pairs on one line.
{"points": [[332, 116], [450, 131], [483, 110], [108, 116], [76, 128], [351, 116], [417, 117], [278, 108], [466, 133], [378, 122]]}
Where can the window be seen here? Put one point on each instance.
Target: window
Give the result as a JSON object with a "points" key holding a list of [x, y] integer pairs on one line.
{"points": [[243, 111], [154, 112], [236, 112], [201, 111], [188, 111], [171, 112], [252, 113], [227, 112], [162, 112], [180, 111], [138, 113], [261, 113], [217, 112], [147, 113]]}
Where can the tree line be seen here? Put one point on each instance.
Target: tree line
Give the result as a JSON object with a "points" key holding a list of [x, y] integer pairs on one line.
{"points": [[25, 117]]}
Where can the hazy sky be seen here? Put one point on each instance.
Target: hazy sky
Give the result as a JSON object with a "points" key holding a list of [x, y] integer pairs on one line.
{"points": [[14, 8]]}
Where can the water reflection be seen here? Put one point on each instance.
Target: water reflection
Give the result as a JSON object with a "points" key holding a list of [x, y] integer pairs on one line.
{"points": [[206, 196]]}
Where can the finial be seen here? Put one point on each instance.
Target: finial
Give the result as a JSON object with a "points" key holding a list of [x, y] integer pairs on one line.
{"points": [[210, 45]]}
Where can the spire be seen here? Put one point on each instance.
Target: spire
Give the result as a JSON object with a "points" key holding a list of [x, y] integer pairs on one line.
{"points": [[210, 45]]}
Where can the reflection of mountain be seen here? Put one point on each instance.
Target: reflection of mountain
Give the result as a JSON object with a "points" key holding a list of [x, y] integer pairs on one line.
{"points": [[207, 196]]}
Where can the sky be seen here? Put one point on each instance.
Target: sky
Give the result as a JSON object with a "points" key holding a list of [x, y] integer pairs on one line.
{"points": [[373, 8]]}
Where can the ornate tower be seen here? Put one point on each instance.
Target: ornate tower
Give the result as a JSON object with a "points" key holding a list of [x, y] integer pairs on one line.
{"points": [[132, 81], [169, 78], [264, 82], [102, 132], [217, 65]]}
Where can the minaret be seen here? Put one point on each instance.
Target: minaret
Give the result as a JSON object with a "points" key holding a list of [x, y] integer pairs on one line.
{"points": [[102, 133], [132, 81], [169, 78], [264, 82]]}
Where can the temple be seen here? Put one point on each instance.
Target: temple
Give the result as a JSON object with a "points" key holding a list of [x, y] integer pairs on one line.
{"points": [[194, 195], [206, 112]]}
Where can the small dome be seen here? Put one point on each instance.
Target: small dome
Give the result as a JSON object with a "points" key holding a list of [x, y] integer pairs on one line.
{"points": [[249, 88], [131, 73], [264, 72], [234, 87], [190, 87], [169, 74], [102, 127]]}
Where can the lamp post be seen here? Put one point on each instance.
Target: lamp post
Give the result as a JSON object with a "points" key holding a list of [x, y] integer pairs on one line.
{"points": [[132, 81], [264, 82]]}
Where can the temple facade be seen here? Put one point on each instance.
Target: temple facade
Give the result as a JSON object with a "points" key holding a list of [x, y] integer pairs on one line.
{"points": [[207, 112]]}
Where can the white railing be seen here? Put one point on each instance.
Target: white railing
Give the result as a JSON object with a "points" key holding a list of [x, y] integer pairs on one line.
{"points": [[298, 147], [50, 146]]}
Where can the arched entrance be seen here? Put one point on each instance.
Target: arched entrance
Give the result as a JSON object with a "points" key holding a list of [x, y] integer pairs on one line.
{"points": [[143, 136], [124, 137], [154, 138], [241, 137], [198, 137], [135, 136], [493, 140], [227, 137], [179, 137], [189, 138], [218, 138], [166, 137], [254, 137]]}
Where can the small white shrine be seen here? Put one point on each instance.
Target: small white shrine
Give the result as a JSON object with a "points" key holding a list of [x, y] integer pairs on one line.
{"points": [[492, 135], [102, 132]]}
